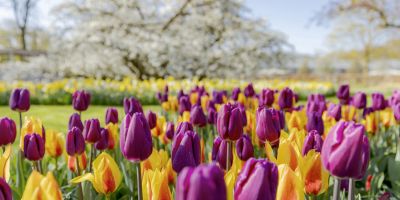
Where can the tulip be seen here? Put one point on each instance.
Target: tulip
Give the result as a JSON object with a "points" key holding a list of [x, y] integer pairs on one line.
{"points": [[249, 90], [81, 100], [112, 135], [20, 100], [155, 184], [218, 97], [82, 162], [184, 104], [33, 147], [54, 143], [244, 148], [297, 120], [106, 176], [91, 132], [5, 190], [396, 112], [212, 116], [343, 94], [268, 125], [193, 182], [197, 116], [157, 160], [185, 150], [257, 180], [290, 185], [360, 100], [151, 119], [111, 115], [102, 144], [316, 97], [335, 111], [5, 162], [378, 101], [8, 131], [345, 152], [285, 99], [170, 129], [75, 142], [267, 97], [31, 125], [131, 106], [41, 187], [183, 127], [312, 141], [235, 94], [219, 152], [75, 120], [230, 122], [315, 177], [315, 122], [314, 106], [289, 151]]}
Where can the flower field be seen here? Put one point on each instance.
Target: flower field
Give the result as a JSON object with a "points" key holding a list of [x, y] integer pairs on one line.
{"points": [[209, 139]]}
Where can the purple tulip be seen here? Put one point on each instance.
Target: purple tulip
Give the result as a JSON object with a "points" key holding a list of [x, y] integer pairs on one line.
{"points": [[367, 111], [131, 106], [170, 130], [285, 99], [180, 94], [185, 150], [211, 105], [396, 112], [249, 90], [212, 116], [75, 121], [244, 148], [268, 125], [345, 152], [219, 152], [257, 180], [81, 100], [111, 115], [315, 122], [316, 97], [343, 94], [8, 131], [202, 182], [378, 101], [218, 96], [91, 132], [183, 127], [235, 94], [335, 111], [360, 100], [197, 116], [151, 119], [33, 147], [230, 122], [20, 100], [243, 113], [5, 190], [184, 104], [102, 144], [266, 98], [135, 138], [316, 106], [312, 141], [75, 143]]}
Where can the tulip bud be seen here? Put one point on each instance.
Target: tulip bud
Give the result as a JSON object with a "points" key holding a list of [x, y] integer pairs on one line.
{"points": [[135, 138], [267, 97], [316, 97], [345, 152], [183, 127], [5, 190], [343, 94], [312, 141], [33, 147], [249, 90], [378, 101], [102, 144], [81, 100], [219, 152], [54, 143], [111, 115], [75, 142], [218, 97], [151, 119], [244, 148], [169, 132], [75, 121], [42, 187], [268, 126], [20, 100], [7, 131], [335, 111], [72, 162], [285, 100], [230, 122], [131, 106], [235, 94], [257, 180], [396, 112], [315, 122], [360, 100], [184, 104], [316, 106], [197, 116], [212, 116], [193, 182], [185, 150], [91, 132]]}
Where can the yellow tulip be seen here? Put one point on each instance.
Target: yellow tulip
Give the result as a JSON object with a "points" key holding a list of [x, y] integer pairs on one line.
{"points": [[185, 117], [296, 120], [251, 119], [315, 177], [72, 162], [157, 160], [270, 153], [155, 185], [386, 117], [54, 143], [5, 163], [41, 187], [31, 125], [290, 186], [231, 176], [348, 113], [106, 175], [289, 153], [160, 124], [113, 139], [204, 101], [371, 123], [194, 97], [241, 99]]}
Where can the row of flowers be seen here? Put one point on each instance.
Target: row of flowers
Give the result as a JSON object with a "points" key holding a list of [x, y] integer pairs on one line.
{"points": [[245, 145]]}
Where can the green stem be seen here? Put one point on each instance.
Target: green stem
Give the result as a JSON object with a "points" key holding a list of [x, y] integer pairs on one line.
{"points": [[336, 189], [91, 157], [55, 164], [78, 172], [139, 181], [351, 189], [20, 182]]}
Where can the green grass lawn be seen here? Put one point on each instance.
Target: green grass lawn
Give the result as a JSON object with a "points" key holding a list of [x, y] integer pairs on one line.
{"points": [[56, 117]]}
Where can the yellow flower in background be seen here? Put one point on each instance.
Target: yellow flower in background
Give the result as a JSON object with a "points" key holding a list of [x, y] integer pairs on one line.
{"points": [[314, 175], [348, 112], [329, 122], [386, 117], [296, 120], [204, 101], [290, 185], [55, 143], [41, 187], [251, 123], [157, 160], [5, 163], [297, 137], [155, 185], [241, 98], [289, 153], [371, 123], [106, 175], [194, 97], [231, 176], [270, 153], [113, 138], [185, 117], [31, 125], [160, 126]]}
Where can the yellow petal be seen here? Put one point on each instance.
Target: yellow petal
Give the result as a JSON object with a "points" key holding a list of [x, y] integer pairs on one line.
{"points": [[314, 175], [32, 190], [290, 186]]}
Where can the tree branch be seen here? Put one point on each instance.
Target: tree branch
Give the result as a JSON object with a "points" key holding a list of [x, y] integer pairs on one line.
{"points": [[180, 12]]}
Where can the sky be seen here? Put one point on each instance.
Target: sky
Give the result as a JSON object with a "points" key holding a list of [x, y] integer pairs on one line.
{"points": [[291, 17]]}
